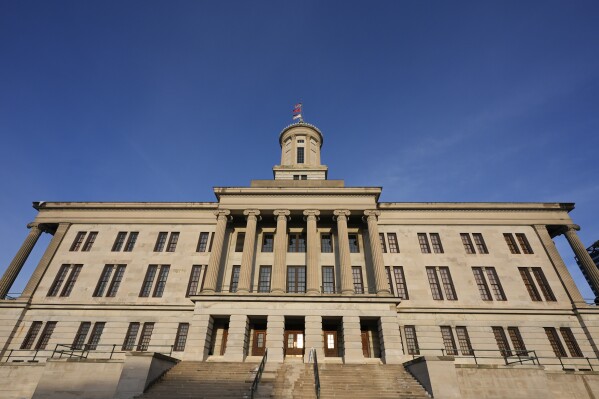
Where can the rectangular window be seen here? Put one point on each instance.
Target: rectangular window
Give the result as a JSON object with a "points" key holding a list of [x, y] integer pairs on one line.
{"points": [[530, 286], [146, 287], [480, 243], [144, 338], [425, 248], [172, 242], [481, 283], [400, 282], [495, 284], [46, 335], [448, 341], [160, 241], [436, 242], [300, 154], [389, 281], [411, 340], [297, 242], [31, 335], [89, 243], [161, 283], [502, 342], [511, 243], [464, 341], [202, 242], [58, 280], [326, 243], [103, 282], [296, 177], [523, 241], [234, 278], [131, 241], [268, 240], [357, 277], [296, 279], [94, 338], [264, 279], [79, 340], [181, 337], [353, 243], [450, 293], [129, 341], [119, 241], [382, 240], [239, 242], [517, 341], [570, 342], [78, 241], [393, 246], [467, 241], [194, 280], [543, 284], [556, 344], [328, 279], [116, 281], [433, 281], [70, 283]]}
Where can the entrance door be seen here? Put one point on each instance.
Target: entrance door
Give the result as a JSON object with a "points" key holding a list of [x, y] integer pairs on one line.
{"points": [[365, 344], [294, 343], [223, 344], [330, 344], [259, 343]]}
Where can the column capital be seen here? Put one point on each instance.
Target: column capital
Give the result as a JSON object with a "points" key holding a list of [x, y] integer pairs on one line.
{"points": [[372, 213], [251, 213], [565, 229], [281, 213], [342, 212], [571, 227], [222, 213], [33, 225], [311, 214]]}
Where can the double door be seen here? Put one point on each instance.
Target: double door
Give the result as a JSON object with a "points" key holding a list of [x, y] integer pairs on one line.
{"points": [[331, 347], [294, 343], [259, 345]]}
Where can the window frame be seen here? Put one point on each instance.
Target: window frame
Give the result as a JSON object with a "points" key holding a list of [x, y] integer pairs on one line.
{"points": [[264, 279], [358, 280]]}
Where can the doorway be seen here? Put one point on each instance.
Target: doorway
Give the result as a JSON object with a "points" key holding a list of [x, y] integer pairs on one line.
{"points": [[370, 337], [219, 336], [294, 337], [332, 336]]}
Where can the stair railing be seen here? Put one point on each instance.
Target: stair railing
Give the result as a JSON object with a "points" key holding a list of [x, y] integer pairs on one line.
{"points": [[258, 375], [316, 375]]}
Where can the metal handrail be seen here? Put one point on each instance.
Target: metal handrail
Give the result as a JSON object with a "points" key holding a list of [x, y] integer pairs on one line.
{"points": [[258, 376], [316, 374], [61, 350]]}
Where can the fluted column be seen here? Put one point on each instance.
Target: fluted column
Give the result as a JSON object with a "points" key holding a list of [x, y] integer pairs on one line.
{"points": [[312, 252], [583, 256], [247, 258], [280, 248], [382, 287], [11, 273], [217, 249], [347, 282]]}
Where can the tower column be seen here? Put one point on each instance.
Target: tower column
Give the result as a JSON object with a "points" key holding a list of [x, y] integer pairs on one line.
{"points": [[583, 256], [312, 252], [280, 248], [347, 282], [382, 288], [217, 249], [11, 273], [247, 258]]}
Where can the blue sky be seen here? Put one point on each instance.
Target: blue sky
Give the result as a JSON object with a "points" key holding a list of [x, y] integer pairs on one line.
{"points": [[433, 100]]}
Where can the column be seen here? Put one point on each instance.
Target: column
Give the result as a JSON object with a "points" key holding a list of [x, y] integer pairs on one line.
{"points": [[42, 266], [217, 249], [11, 273], [352, 340], [280, 248], [380, 276], [347, 282], [247, 258], [237, 338], [390, 339], [583, 257], [562, 271], [313, 337], [274, 338], [312, 264]]}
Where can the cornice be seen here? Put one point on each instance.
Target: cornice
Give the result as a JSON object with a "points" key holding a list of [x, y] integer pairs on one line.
{"points": [[302, 124], [125, 205], [477, 206]]}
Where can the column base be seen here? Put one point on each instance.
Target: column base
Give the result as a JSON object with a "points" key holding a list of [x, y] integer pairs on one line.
{"points": [[383, 293], [277, 291], [312, 292], [347, 292]]}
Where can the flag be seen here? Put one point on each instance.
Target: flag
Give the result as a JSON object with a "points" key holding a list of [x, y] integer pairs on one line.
{"points": [[298, 116], [297, 108]]}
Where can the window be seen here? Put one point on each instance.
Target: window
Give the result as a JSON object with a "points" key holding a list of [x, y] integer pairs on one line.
{"points": [[103, 282], [543, 283], [264, 279], [94, 338], [60, 278], [300, 154], [570, 341], [522, 240], [194, 280], [296, 279], [436, 241], [81, 335], [326, 243], [448, 341], [131, 241], [146, 287], [425, 248], [31, 335], [480, 243], [78, 241], [116, 281], [401, 288], [297, 242], [234, 278], [202, 242], [268, 240], [181, 337], [239, 242], [91, 237], [356, 272], [556, 344], [328, 279], [511, 243], [467, 241], [120, 240], [517, 341], [502, 343], [130, 336], [382, 240], [483, 288], [144, 338], [464, 341], [160, 241], [46, 334], [525, 273], [411, 340], [530, 286], [389, 281], [393, 247], [300, 177], [353, 243], [433, 280], [172, 242]]}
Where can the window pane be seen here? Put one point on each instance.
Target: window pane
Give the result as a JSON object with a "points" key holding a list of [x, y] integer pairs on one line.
{"points": [[267, 242], [62, 274], [81, 335], [202, 242], [181, 337], [146, 287], [300, 154], [423, 241], [517, 341], [172, 242], [264, 279], [239, 242], [91, 238], [411, 340], [571, 342], [556, 344], [382, 241], [447, 283], [468, 246], [389, 280], [393, 246], [103, 282], [328, 279], [501, 339], [464, 341], [448, 341], [530, 286], [495, 284], [543, 284], [118, 243], [526, 249], [160, 241], [131, 241], [130, 337], [78, 241], [162, 276], [94, 338], [480, 243], [194, 280], [46, 334], [353, 243], [483, 289], [68, 287], [511, 243], [433, 281], [116, 281], [400, 282], [234, 278], [326, 244], [436, 241], [146, 335], [357, 277], [31, 335]]}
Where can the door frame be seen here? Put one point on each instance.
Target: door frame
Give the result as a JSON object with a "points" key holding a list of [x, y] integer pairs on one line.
{"points": [[365, 338], [258, 351], [297, 352], [331, 352]]}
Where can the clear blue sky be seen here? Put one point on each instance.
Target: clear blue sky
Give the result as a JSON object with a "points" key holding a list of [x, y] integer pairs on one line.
{"points": [[433, 100]]}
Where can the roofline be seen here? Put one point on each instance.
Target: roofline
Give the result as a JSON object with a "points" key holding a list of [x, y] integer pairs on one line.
{"points": [[301, 124], [542, 206], [39, 205]]}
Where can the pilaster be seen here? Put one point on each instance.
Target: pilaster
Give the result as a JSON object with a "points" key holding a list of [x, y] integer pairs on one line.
{"points": [[390, 340], [352, 340], [237, 338], [275, 330], [199, 338], [314, 337]]}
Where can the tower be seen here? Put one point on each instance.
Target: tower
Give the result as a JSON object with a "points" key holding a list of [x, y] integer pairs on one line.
{"points": [[300, 153]]}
